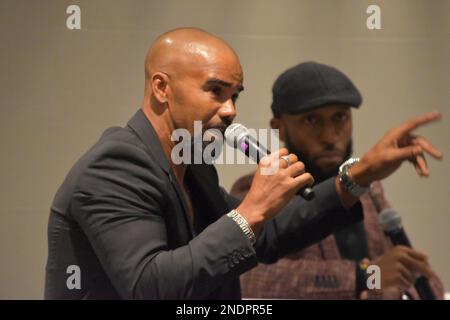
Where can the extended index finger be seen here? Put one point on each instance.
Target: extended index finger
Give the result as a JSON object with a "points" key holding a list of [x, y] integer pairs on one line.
{"points": [[417, 121]]}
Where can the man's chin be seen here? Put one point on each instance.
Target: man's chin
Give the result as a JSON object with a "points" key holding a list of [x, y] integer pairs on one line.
{"points": [[329, 163], [328, 170]]}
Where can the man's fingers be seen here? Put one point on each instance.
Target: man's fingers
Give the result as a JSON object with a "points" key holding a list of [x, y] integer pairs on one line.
{"points": [[296, 169], [286, 161], [417, 167], [416, 122], [402, 282], [421, 165], [292, 158], [416, 254], [364, 295], [274, 158], [414, 152], [407, 275], [427, 147], [279, 153], [275, 155], [405, 153], [304, 180], [418, 265]]}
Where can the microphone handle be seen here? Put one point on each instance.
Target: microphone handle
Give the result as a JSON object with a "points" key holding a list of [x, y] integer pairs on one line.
{"points": [[424, 290], [399, 237], [306, 193]]}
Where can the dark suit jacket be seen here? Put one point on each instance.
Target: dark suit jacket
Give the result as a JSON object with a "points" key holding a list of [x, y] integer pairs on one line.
{"points": [[120, 216]]}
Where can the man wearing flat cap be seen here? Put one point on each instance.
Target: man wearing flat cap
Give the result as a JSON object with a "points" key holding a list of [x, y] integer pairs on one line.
{"points": [[312, 109]]}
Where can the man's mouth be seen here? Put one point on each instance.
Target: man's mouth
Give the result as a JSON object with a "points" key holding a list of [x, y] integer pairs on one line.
{"points": [[214, 133], [221, 128]]}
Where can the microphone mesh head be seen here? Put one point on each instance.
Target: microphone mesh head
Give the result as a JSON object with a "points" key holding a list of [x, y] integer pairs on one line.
{"points": [[234, 133], [390, 220]]}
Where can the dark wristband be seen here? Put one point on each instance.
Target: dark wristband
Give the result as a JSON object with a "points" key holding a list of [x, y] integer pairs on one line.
{"points": [[361, 278]]}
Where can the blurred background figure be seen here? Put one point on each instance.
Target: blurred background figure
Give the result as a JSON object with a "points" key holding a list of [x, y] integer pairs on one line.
{"points": [[312, 109]]}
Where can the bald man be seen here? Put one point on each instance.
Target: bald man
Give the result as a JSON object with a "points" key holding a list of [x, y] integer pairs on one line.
{"points": [[129, 222]]}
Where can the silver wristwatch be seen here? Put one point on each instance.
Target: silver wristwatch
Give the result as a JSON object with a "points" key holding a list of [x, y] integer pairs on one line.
{"points": [[351, 186], [243, 224]]}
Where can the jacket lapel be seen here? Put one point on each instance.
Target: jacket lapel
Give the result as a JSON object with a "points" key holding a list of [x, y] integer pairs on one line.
{"points": [[145, 131], [207, 198]]}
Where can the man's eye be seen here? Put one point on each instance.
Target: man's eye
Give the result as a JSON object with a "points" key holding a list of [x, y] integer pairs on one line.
{"points": [[341, 117], [310, 120], [217, 91]]}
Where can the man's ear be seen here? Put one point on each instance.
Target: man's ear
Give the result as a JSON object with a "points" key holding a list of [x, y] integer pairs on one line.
{"points": [[277, 123], [159, 84]]}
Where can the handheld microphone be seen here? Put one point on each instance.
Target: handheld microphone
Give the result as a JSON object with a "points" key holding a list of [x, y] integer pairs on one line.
{"points": [[391, 222], [237, 136]]}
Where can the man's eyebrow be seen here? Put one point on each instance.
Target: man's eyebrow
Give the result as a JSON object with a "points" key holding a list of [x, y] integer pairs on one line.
{"points": [[216, 81]]}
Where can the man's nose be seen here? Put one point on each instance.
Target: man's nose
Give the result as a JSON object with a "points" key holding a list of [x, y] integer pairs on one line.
{"points": [[329, 134], [228, 110]]}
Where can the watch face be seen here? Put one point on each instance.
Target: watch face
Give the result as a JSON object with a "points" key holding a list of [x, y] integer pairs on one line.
{"points": [[353, 188]]}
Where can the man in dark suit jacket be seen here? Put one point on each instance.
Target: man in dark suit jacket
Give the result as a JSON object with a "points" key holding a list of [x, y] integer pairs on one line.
{"points": [[138, 226]]}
